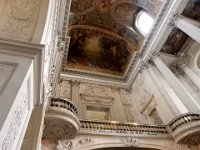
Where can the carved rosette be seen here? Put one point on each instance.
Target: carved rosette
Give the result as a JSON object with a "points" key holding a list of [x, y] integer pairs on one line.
{"points": [[17, 120], [129, 141]]}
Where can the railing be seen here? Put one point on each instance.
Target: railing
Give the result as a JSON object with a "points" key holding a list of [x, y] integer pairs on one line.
{"points": [[61, 121], [183, 120], [64, 104], [117, 127]]}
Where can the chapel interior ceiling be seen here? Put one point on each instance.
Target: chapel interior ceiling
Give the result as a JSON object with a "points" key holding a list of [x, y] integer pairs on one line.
{"points": [[103, 37], [177, 39]]}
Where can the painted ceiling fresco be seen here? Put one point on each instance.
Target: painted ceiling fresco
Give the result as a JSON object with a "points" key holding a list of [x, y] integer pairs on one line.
{"points": [[103, 35], [93, 50], [177, 38]]}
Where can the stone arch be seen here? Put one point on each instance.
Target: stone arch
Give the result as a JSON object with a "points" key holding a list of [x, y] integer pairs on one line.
{"points": [[99, 142]]}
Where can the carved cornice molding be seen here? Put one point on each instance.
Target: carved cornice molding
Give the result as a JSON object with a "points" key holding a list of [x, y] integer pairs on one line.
{"points": [[124, 81], [173, 19], [74, 144]]}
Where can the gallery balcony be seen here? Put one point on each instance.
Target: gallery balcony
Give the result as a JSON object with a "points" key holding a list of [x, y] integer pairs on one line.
{"points": [[61, 120], [186, 129], [121, 129]]}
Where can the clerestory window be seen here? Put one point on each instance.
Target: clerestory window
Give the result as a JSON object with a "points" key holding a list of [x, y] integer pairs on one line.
{"points": [[144, 22]]}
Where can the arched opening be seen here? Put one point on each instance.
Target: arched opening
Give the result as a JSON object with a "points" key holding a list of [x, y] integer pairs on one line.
{"points": [[144, 22], [125, 148]]}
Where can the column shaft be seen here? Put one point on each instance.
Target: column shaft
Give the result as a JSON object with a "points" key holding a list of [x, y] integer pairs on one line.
{"points": [[174, 102], [75, 95], [177, 86], [189, 26]]}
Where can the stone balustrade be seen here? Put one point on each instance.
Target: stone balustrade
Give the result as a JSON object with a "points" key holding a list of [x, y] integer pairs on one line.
{"points": [[64, 104], [186, 128], [113, 127], [61, 121], [183, 120], [61, 118]]}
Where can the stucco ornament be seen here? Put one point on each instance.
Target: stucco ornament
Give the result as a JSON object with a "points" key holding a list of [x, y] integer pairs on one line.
{"points": [[69, 145], [129, 141]]}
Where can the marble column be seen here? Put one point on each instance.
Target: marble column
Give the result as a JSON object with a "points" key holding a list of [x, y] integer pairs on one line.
{"points": [[189, 26], [174, 103], [75, 95], [177, 86], [190, 73]]}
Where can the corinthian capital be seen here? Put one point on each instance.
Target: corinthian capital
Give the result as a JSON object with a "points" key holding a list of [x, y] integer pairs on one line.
{"points": [[173, 19]]}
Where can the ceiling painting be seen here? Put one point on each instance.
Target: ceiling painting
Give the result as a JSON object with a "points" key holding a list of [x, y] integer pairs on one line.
{"points": [[104, 39], [98, 51], [177, 38], [119, 19], [175, 42]]}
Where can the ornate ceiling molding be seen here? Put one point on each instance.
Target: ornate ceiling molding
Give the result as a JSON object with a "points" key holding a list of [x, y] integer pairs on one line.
{"points": [[127, 79]]}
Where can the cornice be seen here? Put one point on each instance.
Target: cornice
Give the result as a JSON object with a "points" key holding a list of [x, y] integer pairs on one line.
{"points": [[153, 43]]}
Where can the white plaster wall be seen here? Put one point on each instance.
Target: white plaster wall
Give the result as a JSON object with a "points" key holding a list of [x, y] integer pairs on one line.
{"points": [[23, 20], [83, 94]]}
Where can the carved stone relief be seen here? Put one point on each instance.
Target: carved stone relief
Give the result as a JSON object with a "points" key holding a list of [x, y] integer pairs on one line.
{"points": [[129, 141], [48, 144], [18, 117], [27, 144], [19, 19], [95, 90], [176, 146], [67, 145], [65, 90]]}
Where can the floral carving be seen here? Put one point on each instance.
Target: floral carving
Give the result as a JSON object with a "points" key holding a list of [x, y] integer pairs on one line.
{"points": [[18, 117], [85, 141], [129, 141], [97, 90], [69, 145], [73, 144], [175, 146]]}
